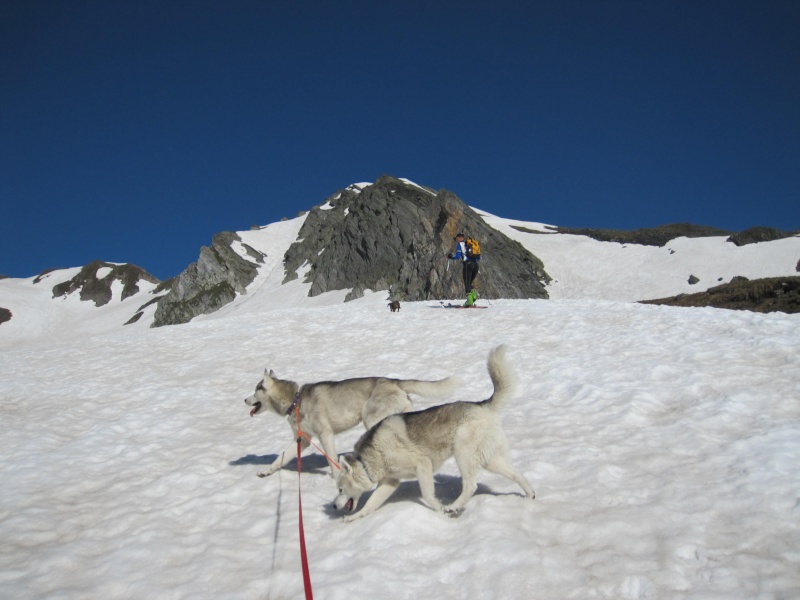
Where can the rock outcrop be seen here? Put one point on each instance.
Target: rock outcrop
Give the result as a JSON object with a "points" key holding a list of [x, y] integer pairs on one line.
{"points": [[396, 235], [93, 282], [755, 235], [210, 283], [654, 236], [759, 295], [660, 236]]}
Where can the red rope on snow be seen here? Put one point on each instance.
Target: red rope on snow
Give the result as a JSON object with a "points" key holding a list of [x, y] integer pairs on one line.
{"points": [[303, 554]]}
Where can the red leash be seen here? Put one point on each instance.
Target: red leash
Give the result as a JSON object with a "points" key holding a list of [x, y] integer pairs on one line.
{"points": [[303, 554]]}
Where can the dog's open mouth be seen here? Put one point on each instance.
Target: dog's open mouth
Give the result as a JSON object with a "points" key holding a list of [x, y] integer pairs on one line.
{"points": [[349, 506], [256, 408]]}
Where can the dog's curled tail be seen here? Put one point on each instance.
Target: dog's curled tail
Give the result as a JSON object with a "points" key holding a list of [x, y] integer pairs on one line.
{"points": [[503, 377]]}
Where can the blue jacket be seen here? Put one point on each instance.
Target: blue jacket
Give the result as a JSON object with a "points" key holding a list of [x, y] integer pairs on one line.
{"points": [[461, 253]]}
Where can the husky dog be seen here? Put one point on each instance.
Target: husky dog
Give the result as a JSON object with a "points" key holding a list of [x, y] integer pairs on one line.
{"points": [[415, 444], [394, 305], [330, 407]]}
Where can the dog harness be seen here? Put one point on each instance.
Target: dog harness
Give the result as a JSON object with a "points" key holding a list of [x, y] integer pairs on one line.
{"points": [[295, 404]]}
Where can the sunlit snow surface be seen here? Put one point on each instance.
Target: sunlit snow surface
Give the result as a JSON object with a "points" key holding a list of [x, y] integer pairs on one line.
{"points": [[662, 443]]}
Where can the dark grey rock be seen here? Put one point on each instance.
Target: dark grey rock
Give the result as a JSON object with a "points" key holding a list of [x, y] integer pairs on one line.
{"points": [[772, 294], [656, 236], [394, 235], [755, 235], [97, 290], [210, 283], [693, 280], [5, 315]]}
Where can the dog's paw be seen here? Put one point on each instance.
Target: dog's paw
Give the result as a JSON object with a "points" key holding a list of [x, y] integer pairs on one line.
{"points": [[350, 518], [453, 513], [263, 474]]}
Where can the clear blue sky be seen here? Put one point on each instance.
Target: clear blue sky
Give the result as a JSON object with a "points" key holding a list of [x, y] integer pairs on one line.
{"points": [[133, 131]]}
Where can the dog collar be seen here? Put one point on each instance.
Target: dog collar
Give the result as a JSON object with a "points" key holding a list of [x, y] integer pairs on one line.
{"points": [[295, 404]]}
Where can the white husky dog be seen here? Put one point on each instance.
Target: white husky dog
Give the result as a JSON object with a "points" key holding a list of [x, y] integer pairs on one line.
{"points": [[330, 407], [415, 444]]}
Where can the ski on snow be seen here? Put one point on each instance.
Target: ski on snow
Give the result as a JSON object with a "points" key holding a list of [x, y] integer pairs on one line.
{"points": [[451, 305]]}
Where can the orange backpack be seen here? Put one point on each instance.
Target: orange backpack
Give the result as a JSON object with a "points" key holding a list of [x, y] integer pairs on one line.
{"points": [[473, 248]]}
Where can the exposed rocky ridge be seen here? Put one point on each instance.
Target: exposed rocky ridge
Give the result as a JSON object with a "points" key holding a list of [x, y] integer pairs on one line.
{"points": [[760, 295], [98, 290], [755, 235], [41, 276], [654, 236], [208, 284], [395, 235], [660, 236]]}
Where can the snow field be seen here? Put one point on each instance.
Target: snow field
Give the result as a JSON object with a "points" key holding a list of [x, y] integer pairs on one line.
{"points": [[662, 444]]}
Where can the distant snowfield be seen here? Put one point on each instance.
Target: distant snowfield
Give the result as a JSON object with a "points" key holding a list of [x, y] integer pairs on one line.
{"points": [[37, 316], [582, 267], [662, 442]]}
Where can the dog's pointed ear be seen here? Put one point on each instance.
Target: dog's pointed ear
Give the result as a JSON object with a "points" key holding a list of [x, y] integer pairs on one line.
{"points": [[344, 462]]}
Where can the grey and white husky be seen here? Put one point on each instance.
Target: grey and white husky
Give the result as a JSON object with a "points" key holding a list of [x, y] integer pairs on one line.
{"points": [[330, 407], [415, 444]]}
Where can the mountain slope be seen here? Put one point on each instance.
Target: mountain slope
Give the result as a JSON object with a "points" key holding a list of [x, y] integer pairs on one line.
{"points": [[582, 267], [662, 443], [304, 262], [391, 236], [81, 301]]}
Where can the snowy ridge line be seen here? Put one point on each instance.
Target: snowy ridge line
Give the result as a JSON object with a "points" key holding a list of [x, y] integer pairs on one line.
{"points": [[582, 268]]}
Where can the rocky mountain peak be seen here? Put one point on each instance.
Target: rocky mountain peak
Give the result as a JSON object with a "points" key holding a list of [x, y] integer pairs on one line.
{"points": [[396, 235]]}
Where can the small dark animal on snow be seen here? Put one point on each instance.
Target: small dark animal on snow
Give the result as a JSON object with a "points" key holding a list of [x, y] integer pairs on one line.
{"points": [[394, 305]]}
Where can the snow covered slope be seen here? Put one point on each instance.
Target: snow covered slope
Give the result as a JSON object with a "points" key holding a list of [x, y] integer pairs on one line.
{"points": [[583, 268], [662, 443], [38, 315]]}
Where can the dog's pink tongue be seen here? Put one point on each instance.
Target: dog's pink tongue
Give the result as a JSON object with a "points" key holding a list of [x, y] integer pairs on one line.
{"points": [[253, 412]]}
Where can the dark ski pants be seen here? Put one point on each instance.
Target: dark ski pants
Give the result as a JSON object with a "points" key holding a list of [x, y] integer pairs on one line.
{"points": [[470, 273]]}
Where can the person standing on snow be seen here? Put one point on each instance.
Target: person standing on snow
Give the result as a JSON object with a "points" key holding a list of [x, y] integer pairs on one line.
{"points": [[469, 268]]}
